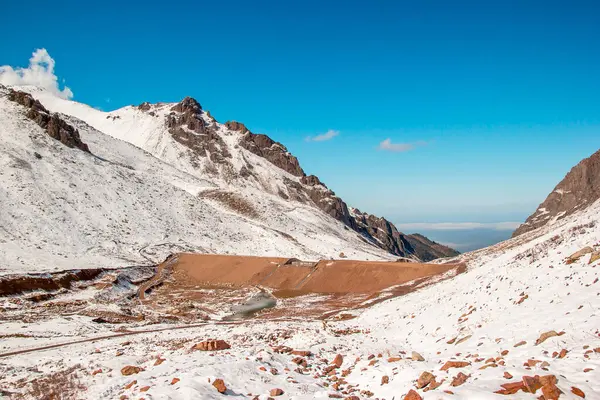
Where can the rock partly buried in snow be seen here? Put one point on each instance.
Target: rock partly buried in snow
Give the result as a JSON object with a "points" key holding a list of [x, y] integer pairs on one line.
{"points": [[54, 126], [579, 189], [545, 336], [130, 370], [425, 379], [412, 395], [219, 384], [459, 379], [276, 392], [454, 364], [211, 345], [338, 361], [594, 257], [417, 357], [578, 254]]}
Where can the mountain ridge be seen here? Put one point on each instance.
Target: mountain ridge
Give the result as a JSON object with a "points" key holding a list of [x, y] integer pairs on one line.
{"points": [[207, 148], [577, 190]]}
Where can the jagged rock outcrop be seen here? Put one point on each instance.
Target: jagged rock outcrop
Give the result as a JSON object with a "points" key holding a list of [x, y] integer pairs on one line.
{"points": [[188, 128], [265, 147], [579, 189], [54, 126]]}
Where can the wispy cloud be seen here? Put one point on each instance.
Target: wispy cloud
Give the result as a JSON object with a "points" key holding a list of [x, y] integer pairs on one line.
{"points": [[453, 226], [40, 73], [388, 145], [330, 134]]}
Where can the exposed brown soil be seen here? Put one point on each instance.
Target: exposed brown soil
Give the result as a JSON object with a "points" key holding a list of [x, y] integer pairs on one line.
{"points": [[326, 276]]}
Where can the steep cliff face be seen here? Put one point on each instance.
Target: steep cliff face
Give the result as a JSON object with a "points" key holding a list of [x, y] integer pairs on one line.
{"points": [[579, 189]]}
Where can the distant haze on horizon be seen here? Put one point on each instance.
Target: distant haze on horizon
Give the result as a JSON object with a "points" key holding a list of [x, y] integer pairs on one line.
{"points": [[421, 112]]}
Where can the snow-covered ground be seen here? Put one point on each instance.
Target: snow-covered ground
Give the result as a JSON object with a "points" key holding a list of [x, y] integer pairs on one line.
{"points": [[511, 293], [64, 209]]}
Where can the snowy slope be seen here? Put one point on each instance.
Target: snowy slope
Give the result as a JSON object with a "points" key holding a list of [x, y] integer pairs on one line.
{"points": [[511, 293], [121, 205]]}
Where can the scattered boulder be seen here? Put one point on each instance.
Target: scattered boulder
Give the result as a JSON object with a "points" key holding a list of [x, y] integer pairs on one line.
{"points": [[338, 360], [211, 345], [577, 392], [459, 379], [276, 392], [174, 381], [417, 357], [412, 395], [454, 364], [521, 343], [425, 379], [545, 336], [130, 370], [220, 386], [578, 254], [385, 380]]}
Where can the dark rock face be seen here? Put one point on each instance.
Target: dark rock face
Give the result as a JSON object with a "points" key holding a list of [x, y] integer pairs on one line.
{"points": [[427, 249], [265, 147], [578, 190], [56, 127], [188, 128]]}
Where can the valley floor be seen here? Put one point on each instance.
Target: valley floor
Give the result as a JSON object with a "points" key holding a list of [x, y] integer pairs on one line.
{"points": [[523, 308]]}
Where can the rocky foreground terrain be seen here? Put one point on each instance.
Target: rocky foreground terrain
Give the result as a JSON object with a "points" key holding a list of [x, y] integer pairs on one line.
{"points": [[94, 202], [519, 323]]}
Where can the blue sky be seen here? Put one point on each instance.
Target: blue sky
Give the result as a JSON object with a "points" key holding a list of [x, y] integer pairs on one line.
{"points": [[482, 107]]}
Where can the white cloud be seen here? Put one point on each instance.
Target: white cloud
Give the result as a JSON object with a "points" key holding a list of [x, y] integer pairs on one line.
{"points": [[330, 134], [40, 73], [452, 226], [387, 145]]}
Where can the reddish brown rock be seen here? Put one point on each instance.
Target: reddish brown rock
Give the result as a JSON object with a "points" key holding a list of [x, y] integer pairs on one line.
{"points": [[98, 371], [301, 353], [425, 379], [385, 380], [412, 395], [577, 392], [521, 343], [550, 391], [130, 370], [276, 392], [145, 389], [338, 360], [130, 384], [159, 361], [563, 353], [508, 375], [174, 381], [459, 379], [545, 336], [511, 388], [454, 364], [300, 361], [211, 345], [220, 385], [532, 383]]}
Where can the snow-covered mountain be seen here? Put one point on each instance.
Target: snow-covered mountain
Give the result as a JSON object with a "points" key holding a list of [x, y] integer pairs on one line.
{"points": [[159, 178], [521, 322]]}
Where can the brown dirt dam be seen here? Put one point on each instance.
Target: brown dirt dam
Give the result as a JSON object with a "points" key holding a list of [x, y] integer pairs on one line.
{"points": [[292, 276]]}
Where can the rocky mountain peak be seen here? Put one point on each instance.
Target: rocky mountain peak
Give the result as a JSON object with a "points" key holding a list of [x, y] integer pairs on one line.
{"points": [[189, 105], [579, 189]]}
